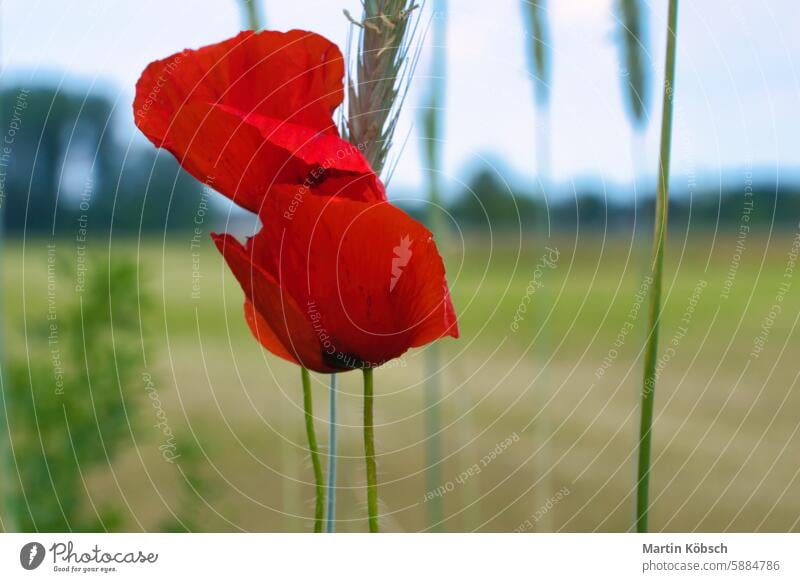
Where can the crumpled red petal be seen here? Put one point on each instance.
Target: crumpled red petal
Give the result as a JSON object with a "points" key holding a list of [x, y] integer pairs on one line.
{"points": [[251, 112], [368, 273]]}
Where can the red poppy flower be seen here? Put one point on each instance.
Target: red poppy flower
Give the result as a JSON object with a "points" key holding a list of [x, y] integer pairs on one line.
{"points": [[334, 284], [254, 112]]}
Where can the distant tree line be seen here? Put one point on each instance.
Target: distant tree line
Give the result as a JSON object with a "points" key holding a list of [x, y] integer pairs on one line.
{"points": [[490, 202], [65, 169]]}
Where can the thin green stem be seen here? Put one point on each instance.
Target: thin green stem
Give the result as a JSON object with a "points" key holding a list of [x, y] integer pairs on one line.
{"points": [[657, 268], [369, 453], [330, 517], [319, 510]]}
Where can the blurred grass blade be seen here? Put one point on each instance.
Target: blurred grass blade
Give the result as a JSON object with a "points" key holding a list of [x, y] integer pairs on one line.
{"points": [[6, 511], [657, 268], [432, 111], [538, 43], [633, 48], [632, 42], [538, 49], [433, 108], [251, 14]]}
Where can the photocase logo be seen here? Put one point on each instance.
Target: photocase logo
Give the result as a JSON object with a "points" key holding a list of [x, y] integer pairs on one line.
{"points": [[31, 555], [402, 256]]}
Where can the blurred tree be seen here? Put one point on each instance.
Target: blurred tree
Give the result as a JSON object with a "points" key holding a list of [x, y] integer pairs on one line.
{"points": [[488, 202], [154, 194], [52, 123], [66, 164]]}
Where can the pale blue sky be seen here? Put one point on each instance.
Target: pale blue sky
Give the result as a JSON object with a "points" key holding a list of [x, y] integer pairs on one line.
{"points": [[738, 86]]}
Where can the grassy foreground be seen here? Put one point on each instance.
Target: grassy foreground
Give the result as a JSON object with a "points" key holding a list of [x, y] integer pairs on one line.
{"points": [[726, 428]]}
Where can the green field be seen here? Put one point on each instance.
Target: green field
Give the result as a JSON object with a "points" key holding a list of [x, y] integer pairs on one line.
{"points": [[563, 388]]}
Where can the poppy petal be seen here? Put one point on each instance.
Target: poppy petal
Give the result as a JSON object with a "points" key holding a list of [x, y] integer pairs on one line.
{"points": [[251, 112], [294, 76], [243, 160], [275, 319], [369, 272], [265, 335]]}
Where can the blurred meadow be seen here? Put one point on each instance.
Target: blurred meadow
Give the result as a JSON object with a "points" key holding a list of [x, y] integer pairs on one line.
{"points": [[138, 400], [726, 432]]}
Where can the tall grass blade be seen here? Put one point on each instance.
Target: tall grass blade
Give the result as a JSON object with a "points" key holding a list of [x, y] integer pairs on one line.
{"points": [[657, 268], [539, 60]]}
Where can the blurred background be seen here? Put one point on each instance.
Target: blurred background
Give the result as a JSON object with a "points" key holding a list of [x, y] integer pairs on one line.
{"points": [[136, 398]]}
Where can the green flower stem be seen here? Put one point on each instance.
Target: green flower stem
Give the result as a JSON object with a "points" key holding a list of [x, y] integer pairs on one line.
{"points": [[369, 453], [657, 268], [319, 510], [330, 517]]}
